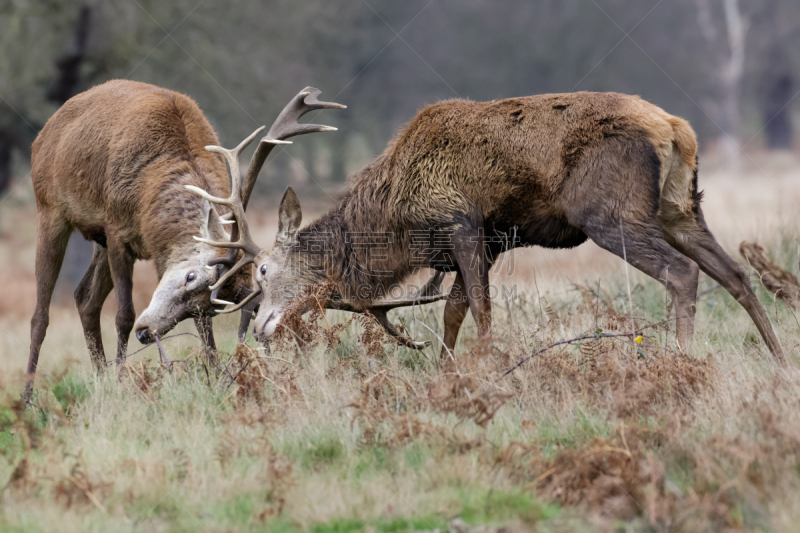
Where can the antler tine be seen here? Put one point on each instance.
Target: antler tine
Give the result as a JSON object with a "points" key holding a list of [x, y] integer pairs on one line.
{"points": [[213, 199], [245, 242], [232, 157], [285, 126], [248, 257], [235, 307], [242, 240]]}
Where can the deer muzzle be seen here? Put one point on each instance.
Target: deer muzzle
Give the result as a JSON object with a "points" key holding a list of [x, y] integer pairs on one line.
{"points": [[265, 325], [144, 336]]}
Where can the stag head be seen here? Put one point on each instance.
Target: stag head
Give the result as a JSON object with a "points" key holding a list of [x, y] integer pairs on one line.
{"points": [[282, 274], [201, 276]]}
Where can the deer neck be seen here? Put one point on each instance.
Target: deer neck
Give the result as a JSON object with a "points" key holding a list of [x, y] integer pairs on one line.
{"points": [[174, 217], [358, 245]]}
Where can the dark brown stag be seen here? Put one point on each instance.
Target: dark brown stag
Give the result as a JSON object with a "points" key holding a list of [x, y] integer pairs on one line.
{"points": [[113, 163], [467, 180]]}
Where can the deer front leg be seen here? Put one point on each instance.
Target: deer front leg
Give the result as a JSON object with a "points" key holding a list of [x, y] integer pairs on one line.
{"points": [[248, 312], [383, 320], [121, 262], [51, 244]]}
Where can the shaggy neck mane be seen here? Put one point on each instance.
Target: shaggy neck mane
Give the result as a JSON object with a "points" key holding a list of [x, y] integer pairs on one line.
{"points": [[172, 214], [366, 249], [177, 214]]}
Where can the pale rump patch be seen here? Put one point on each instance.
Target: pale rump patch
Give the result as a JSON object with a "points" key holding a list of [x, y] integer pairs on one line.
{"points": [[675, 143]]}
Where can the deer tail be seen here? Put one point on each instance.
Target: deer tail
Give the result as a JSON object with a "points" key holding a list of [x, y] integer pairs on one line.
{"points": [[680, 198], [685, 140]]}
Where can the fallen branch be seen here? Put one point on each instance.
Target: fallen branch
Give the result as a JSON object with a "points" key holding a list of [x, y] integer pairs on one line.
{"points": [[149, 345], [778, 281], [585, 337], [88, 494], [163, 355]]}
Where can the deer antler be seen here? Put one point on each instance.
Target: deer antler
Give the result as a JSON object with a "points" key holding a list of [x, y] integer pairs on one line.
{"points": [[285, 126], [428, 293], [234, 203]]}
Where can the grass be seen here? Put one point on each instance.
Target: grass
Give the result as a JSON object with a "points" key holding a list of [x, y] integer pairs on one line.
{"points": [[599, 435]]}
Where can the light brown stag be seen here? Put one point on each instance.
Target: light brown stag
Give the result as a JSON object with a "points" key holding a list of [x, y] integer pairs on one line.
{"points": [[464, 181], [112, 163]]}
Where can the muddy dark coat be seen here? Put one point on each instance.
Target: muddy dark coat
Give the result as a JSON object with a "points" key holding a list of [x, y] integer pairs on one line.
{"points": [[549, 170]]}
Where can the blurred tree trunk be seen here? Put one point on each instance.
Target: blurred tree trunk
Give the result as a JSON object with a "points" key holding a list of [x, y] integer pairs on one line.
{"points": [[776, 87], [66, 85], [76, 262], [15, 138], [730, 51], [6, 146], [779, 89], [732, 73], [69, 63]]}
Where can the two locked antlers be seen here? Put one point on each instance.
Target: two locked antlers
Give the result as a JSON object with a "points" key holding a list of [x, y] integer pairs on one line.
{"points": [[285, 126]]}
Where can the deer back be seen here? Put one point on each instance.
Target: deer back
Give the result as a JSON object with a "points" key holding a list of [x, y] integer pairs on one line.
{"points": [[116, 157]]}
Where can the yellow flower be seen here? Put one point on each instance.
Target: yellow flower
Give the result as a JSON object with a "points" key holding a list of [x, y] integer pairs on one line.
{"points": [[638, 339]]}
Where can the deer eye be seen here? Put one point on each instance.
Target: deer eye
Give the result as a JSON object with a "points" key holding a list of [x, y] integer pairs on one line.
{"points": [[263, 270], [190, 277]]}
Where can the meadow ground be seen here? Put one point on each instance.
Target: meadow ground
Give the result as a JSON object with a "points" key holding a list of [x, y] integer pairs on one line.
{"points": [[342, 430]]}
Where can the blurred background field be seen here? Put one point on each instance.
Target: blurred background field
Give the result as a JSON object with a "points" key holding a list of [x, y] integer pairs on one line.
{"points": [[317, 442]]}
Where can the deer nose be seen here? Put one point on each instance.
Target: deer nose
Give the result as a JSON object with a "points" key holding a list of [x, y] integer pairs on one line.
{"points": [[259, 327], [143, 334]]}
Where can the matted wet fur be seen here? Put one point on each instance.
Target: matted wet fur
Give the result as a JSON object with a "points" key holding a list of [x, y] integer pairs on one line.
{"points": [[550, 170]]}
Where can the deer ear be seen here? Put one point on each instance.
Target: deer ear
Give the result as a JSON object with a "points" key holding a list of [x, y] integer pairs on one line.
{"points": [[211, 227], [289, 217]]}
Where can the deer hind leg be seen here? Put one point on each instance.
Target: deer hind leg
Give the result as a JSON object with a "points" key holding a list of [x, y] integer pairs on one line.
{"points": [[51, 244], [121, 262], [454, 312], [692, 237], [645, 248], [90, 295]]}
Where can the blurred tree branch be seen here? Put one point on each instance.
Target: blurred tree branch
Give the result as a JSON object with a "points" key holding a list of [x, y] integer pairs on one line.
{"points": [[387, 59]]}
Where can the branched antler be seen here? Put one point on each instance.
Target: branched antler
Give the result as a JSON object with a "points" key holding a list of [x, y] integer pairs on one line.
{"points": [[285, 126]]}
